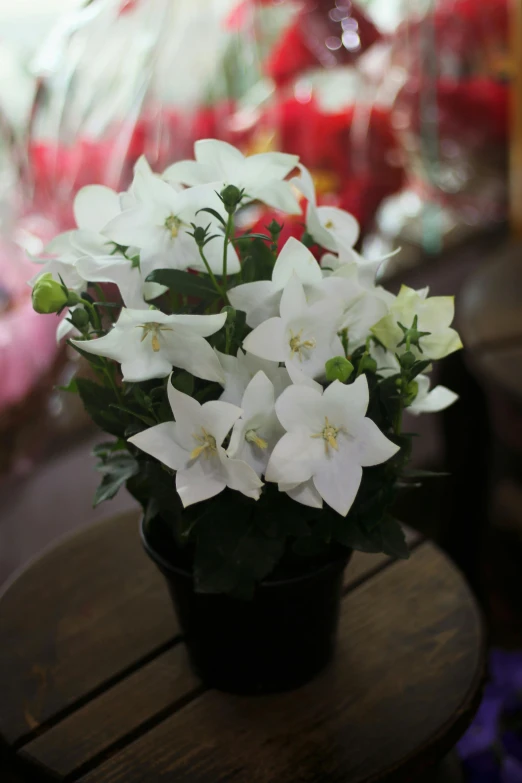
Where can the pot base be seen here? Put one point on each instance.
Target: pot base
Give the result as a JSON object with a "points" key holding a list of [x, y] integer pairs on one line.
{"points": [[277, 641]]}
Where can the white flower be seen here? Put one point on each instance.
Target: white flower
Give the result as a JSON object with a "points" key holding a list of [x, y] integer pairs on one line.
{"points": [[332, 228], [258, 430], [239, 371], [329, 440], [192, 446], [426, 401], [262, 176], [303, 334], [261, 300], [159, 224], [148, 344], [121, 271], [412, 309]]}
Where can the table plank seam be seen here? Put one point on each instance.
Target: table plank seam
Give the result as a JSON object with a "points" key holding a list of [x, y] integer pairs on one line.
{"points": [[380, 567], [150, 723], [137, 733], [106, 685]]}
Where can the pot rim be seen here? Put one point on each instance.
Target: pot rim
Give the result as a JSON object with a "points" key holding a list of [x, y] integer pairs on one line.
{"points": [[165, 565]]}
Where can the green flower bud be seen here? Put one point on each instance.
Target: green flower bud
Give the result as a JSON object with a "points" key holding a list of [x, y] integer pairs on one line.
{"points": [[80, 318], [231, 196], [231, 314], [73, 299], [407, 360], [49, 296], [200, 234], [367, 364], [275, 228], [338, 369]]}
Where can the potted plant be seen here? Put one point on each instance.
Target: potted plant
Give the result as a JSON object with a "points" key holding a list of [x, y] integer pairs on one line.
{"points": [[254, 397]]}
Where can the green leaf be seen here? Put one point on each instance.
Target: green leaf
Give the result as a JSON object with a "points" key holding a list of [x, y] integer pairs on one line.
{"points": [[258, 262], [184, 283], [387, 537], [420, 474], [98, 402], [183, 382], [97, 362], [214, 213], [264, 237], [71, 387], [232, 557], [148, 420], [393, 539], [109, 447], [116, 472]]}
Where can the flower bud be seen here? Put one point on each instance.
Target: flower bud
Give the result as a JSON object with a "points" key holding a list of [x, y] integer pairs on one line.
{"points": [[200, 234], [231, 196], [231, 314], [80, 318], [407, 360], [338, 369], [49, 296], [274, 228]]}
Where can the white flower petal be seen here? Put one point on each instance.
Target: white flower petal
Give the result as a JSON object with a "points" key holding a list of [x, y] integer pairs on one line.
{"points": [[95, 206], [341, 225], [241, 477], [294, 458], [117, 270], [293, 301], [202, 325], [338, 480], [300, 408], [188, 416], [296, 259], [371, 446], [202, 479], [348, 403], [259, 300], [223, 157], [437, 400], [189, 172], [192, 353], [278, 195], [304, 493], [305, 184], [267, 166], [160, 442], [219, 417], [267, 341]]}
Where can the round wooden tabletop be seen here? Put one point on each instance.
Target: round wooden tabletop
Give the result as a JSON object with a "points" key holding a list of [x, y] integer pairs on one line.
{"points": [[95, 685]]}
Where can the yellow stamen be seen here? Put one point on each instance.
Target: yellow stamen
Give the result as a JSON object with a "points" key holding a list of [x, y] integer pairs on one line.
{"points": [[153, 329], [297, 345], [329, 224], [252, 437], [207, 445], [173, 224], [329, 435]]}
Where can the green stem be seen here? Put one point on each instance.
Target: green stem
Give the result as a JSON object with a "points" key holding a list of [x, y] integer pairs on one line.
{"points": [[103, 300], [229, 232], [212, 276], [95, 315]]}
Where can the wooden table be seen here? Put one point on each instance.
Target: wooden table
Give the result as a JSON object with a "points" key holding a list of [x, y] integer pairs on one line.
{"points": [[95, 685]]}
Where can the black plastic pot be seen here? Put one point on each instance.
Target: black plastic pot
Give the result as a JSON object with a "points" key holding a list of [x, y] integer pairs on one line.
{"points": [[277, 641]]}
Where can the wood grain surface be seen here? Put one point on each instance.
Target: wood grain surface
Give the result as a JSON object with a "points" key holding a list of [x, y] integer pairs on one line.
{"points": [[98, 686]]}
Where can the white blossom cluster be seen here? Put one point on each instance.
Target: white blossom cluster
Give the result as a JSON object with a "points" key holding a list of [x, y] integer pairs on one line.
{"points": [[278, 419]]}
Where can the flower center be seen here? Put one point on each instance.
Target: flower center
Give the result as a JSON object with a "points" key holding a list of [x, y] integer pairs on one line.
{"points": [[252, 437], [329, 224], [298, 345], [207, 445], [173, 224], [153, 329], [329, 435]]}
